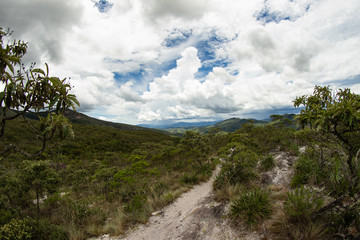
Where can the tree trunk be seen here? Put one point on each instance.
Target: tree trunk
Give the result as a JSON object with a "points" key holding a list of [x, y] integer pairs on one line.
{"points": [[38, 203]]}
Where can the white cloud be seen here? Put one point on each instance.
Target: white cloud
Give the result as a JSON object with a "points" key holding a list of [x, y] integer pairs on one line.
{"points": [[257, 64], [185, 9]]}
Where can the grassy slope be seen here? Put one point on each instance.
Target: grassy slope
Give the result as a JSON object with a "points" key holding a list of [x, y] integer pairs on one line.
{"points": [[107, 171]]}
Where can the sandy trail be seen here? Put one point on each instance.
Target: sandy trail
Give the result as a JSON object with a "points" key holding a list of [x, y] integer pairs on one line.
{"points": [[195, 215]]}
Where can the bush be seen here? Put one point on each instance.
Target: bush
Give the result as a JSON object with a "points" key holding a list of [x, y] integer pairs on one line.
{"points": [[283, 229], [267, 163], [306, 171], [16, 229], [301, 203], [189, 179], [251, 206], [240, 170], [43, 231]]}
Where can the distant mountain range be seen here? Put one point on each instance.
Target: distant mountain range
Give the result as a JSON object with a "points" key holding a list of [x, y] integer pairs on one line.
{"points": [[228, 125], [181, 125]]}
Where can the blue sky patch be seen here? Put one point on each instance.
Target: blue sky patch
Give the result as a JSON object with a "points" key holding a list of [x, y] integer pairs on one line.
{"points": [[267, 15], [103, 5], [343, 83], [265, 113], [145, 74], [129, 76], [177, 37], [207, 54]]}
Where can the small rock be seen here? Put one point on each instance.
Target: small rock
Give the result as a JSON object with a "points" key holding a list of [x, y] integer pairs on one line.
{"points": [[156, 213], [266, 179], [105, 237]]}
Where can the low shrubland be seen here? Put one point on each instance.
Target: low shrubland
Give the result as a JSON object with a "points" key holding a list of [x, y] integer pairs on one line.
{"points": [[102, 181], [321, 201]]}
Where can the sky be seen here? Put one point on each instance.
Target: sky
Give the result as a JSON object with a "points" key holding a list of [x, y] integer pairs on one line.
{"points": [[165, 61]]}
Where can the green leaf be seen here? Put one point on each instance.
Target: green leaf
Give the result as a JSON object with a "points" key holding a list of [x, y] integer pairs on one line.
{"points": [[8, 64], [38, 70], [72, 98], [55, 81], [14, 59], [2, 96], [47, 69], [53, 101], [8, 75], [47, 129]]}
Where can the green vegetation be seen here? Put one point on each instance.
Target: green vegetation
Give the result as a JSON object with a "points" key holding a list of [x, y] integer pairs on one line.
{"points": [[267, 162], [73, 180], [86, 187], [62, 180], [323, 201], [32, 90], [252, 206]]}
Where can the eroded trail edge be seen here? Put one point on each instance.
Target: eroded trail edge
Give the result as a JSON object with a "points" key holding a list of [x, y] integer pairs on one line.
{"points": [[194, 215]]}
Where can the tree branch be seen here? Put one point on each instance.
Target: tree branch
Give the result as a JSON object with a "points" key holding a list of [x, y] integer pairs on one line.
{"points": [[331, 205], [12, 147]]}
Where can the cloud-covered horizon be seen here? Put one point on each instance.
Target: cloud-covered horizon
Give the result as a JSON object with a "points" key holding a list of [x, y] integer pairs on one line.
{"points": [[148, 61]]}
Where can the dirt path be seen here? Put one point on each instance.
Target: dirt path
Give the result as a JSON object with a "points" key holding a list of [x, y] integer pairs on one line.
{"points": [[194, 215]]}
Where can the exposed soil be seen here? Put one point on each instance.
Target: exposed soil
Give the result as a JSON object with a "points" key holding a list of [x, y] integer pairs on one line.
{"points": [[192, 216], [195, 214]]}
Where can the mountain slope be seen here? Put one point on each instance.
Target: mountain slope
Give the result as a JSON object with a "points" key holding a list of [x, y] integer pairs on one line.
{"points": [[233, 124], [80, 118]]}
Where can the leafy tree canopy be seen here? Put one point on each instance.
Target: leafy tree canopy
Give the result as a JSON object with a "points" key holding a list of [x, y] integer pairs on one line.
{"points": [[33, 90], [337, 116]]}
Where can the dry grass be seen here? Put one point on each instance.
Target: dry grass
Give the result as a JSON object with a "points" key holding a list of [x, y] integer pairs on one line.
{"points": [[228, 192], [76, 233], [116, 223], [282, 228]]}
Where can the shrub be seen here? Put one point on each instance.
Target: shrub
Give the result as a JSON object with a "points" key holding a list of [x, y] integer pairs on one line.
{"points": [[301, 203], [16, 229], [136, 204], [283, 229], [228, 192], [251, 206], [306, 171], [267, 163], [240, 170], [43, 230], [189, 179]]}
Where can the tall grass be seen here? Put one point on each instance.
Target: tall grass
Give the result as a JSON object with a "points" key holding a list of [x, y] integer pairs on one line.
{"points": [[251, 206]]}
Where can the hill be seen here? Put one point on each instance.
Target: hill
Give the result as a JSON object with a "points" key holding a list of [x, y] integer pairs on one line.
{"points": [[180, 125], [80, 118], [233, 124], [228, 125]]}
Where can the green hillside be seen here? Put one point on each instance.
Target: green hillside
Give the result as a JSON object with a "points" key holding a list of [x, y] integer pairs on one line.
{"points": [[233, 124], [229, 125], [105, 172]]}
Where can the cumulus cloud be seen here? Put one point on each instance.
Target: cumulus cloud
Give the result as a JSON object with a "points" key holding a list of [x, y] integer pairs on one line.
{"points": [[43, 23], [136, 61], [185, 9]]}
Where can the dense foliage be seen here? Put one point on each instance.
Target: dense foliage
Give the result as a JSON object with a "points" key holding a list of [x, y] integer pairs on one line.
{"points": [[85, 187], [322, 198], [32, 90]]}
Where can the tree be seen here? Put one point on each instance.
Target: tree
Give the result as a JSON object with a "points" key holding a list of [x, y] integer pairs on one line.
{"points": [[196, 145], [40, 177], [335, 115], [32, 90]]}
